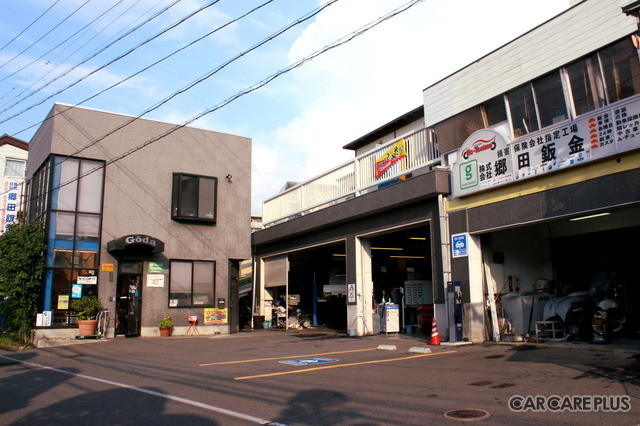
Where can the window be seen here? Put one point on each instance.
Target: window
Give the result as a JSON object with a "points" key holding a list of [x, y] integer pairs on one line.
{"points": [[549, 95], [194, 198], [495, 112], [14, 168], [191, 284], [587, 87], [621, 70], [538, 104], [453, 131]]}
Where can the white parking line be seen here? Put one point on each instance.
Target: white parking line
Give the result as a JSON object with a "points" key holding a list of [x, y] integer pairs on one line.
{"points": [[150, 392]]}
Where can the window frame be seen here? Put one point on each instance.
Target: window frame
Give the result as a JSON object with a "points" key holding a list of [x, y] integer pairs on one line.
{"points": [[176, 199], [23, 164], [192, 284]]}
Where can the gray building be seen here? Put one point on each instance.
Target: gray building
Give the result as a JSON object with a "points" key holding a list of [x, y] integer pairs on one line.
{"points": [[518, 180], [151, 217]]}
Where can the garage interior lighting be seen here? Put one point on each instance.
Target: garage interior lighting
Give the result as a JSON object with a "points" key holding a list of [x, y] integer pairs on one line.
{"points": [[591, 216], [408, 257], [418, 238], [387, 248]]}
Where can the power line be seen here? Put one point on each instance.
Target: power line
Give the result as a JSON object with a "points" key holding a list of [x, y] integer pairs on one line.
{"points": [[264, 82], [28, 26], [47, 33], [70, 55], [85, 61], [211, 73], [154, 63], [63, 42]]}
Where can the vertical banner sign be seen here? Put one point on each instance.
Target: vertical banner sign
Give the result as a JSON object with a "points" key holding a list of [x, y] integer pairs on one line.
{"points": [[394, 154], [9, 203]]}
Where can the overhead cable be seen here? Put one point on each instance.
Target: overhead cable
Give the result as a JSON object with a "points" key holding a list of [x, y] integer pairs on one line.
{"points": [[47, 33], [154, 63], [63, 42], [89, 58], [28, 26], [254, 87]]}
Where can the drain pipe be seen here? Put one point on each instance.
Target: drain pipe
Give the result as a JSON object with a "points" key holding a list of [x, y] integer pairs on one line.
{"points": [[445, 247]]}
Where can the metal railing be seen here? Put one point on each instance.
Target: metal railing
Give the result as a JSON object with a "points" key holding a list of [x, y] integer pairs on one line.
{"points": [[417, 149]]}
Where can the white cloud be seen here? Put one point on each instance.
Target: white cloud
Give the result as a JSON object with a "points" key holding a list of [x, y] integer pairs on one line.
{"points": [[355, 88]]}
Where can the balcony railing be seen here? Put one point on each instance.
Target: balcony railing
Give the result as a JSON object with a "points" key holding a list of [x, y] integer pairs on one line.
{"points": [[359, 176]]}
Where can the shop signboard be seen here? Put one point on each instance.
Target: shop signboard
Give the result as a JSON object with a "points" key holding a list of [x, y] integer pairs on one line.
{"points": [[480, 163], [9, 203], [484, 160]]}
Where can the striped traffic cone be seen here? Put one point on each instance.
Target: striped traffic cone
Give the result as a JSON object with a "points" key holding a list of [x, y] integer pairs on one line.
{"points": [[435, 337]]}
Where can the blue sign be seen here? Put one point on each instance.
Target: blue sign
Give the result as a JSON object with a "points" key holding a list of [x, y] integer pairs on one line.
{"points": [[76, 291], [308, 361], [459, 245]]}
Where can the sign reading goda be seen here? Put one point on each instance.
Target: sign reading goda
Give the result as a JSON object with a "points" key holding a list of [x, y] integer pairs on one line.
{"points": [[135, 244]]}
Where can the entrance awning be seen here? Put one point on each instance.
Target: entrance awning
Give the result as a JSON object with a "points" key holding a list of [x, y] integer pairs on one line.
{"points": [[135, 245]]}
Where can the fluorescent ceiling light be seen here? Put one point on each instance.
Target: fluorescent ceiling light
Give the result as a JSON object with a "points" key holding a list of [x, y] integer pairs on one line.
{"points": [[339, 255], [386, 248], [591, 216], [418, 238], [408, 257]]}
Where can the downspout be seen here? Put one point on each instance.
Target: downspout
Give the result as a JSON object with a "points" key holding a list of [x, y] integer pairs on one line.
{"points": [[445, 246]]}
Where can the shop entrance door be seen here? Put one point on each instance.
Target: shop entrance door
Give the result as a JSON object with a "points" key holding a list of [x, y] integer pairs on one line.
{"points": [[129, 299]]}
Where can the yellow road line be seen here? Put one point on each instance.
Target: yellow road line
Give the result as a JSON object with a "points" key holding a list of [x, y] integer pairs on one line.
{"points": [[326, 367], [285, 357]]}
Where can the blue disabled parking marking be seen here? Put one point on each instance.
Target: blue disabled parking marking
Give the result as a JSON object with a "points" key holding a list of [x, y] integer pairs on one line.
{"points": [[308, 361]]}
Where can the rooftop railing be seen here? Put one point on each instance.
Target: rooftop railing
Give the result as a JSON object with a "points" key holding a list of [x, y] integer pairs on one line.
{"points": [[368, 172]]}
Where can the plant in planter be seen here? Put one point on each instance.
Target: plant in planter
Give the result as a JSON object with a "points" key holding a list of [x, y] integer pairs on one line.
{"points": [[165, 325], [86, 309]]}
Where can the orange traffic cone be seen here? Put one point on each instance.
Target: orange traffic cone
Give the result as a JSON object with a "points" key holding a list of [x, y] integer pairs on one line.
{"points": [[435, 337]]}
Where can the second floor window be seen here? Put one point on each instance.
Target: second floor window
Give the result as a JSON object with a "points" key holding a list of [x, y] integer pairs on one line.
{"points": [[14, 168], [194, 198]]}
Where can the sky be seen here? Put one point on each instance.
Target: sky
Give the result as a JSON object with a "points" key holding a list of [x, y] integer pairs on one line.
{"points": [[73, 51]]}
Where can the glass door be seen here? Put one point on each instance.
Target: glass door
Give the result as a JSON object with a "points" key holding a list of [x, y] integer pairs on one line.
{"points": [[129, 299]]}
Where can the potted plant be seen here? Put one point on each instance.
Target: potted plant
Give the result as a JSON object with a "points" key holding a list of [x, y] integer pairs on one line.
{"points": [[86, 309], [165, 325]]}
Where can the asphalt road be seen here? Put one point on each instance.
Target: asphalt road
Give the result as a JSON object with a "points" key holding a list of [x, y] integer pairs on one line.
{"points": [[243, 379]]}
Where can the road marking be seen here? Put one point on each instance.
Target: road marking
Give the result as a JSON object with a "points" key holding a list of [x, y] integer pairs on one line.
{"points": [[285, 357], [341, 365], [208, 407]]}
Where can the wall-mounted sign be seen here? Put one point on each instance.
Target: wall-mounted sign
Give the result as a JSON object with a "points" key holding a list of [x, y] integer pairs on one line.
{"points": [[155, 280], [135, 244], [391, 156], [88, 279], [483, 162], [9, 202], [351, 293], [155, 268], [76, 291], [107, 267], [460, 245], [215, 316]]}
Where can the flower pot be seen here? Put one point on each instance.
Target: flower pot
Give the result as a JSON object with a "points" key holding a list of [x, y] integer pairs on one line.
{"points": [[165, 331], [87, 327]]}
